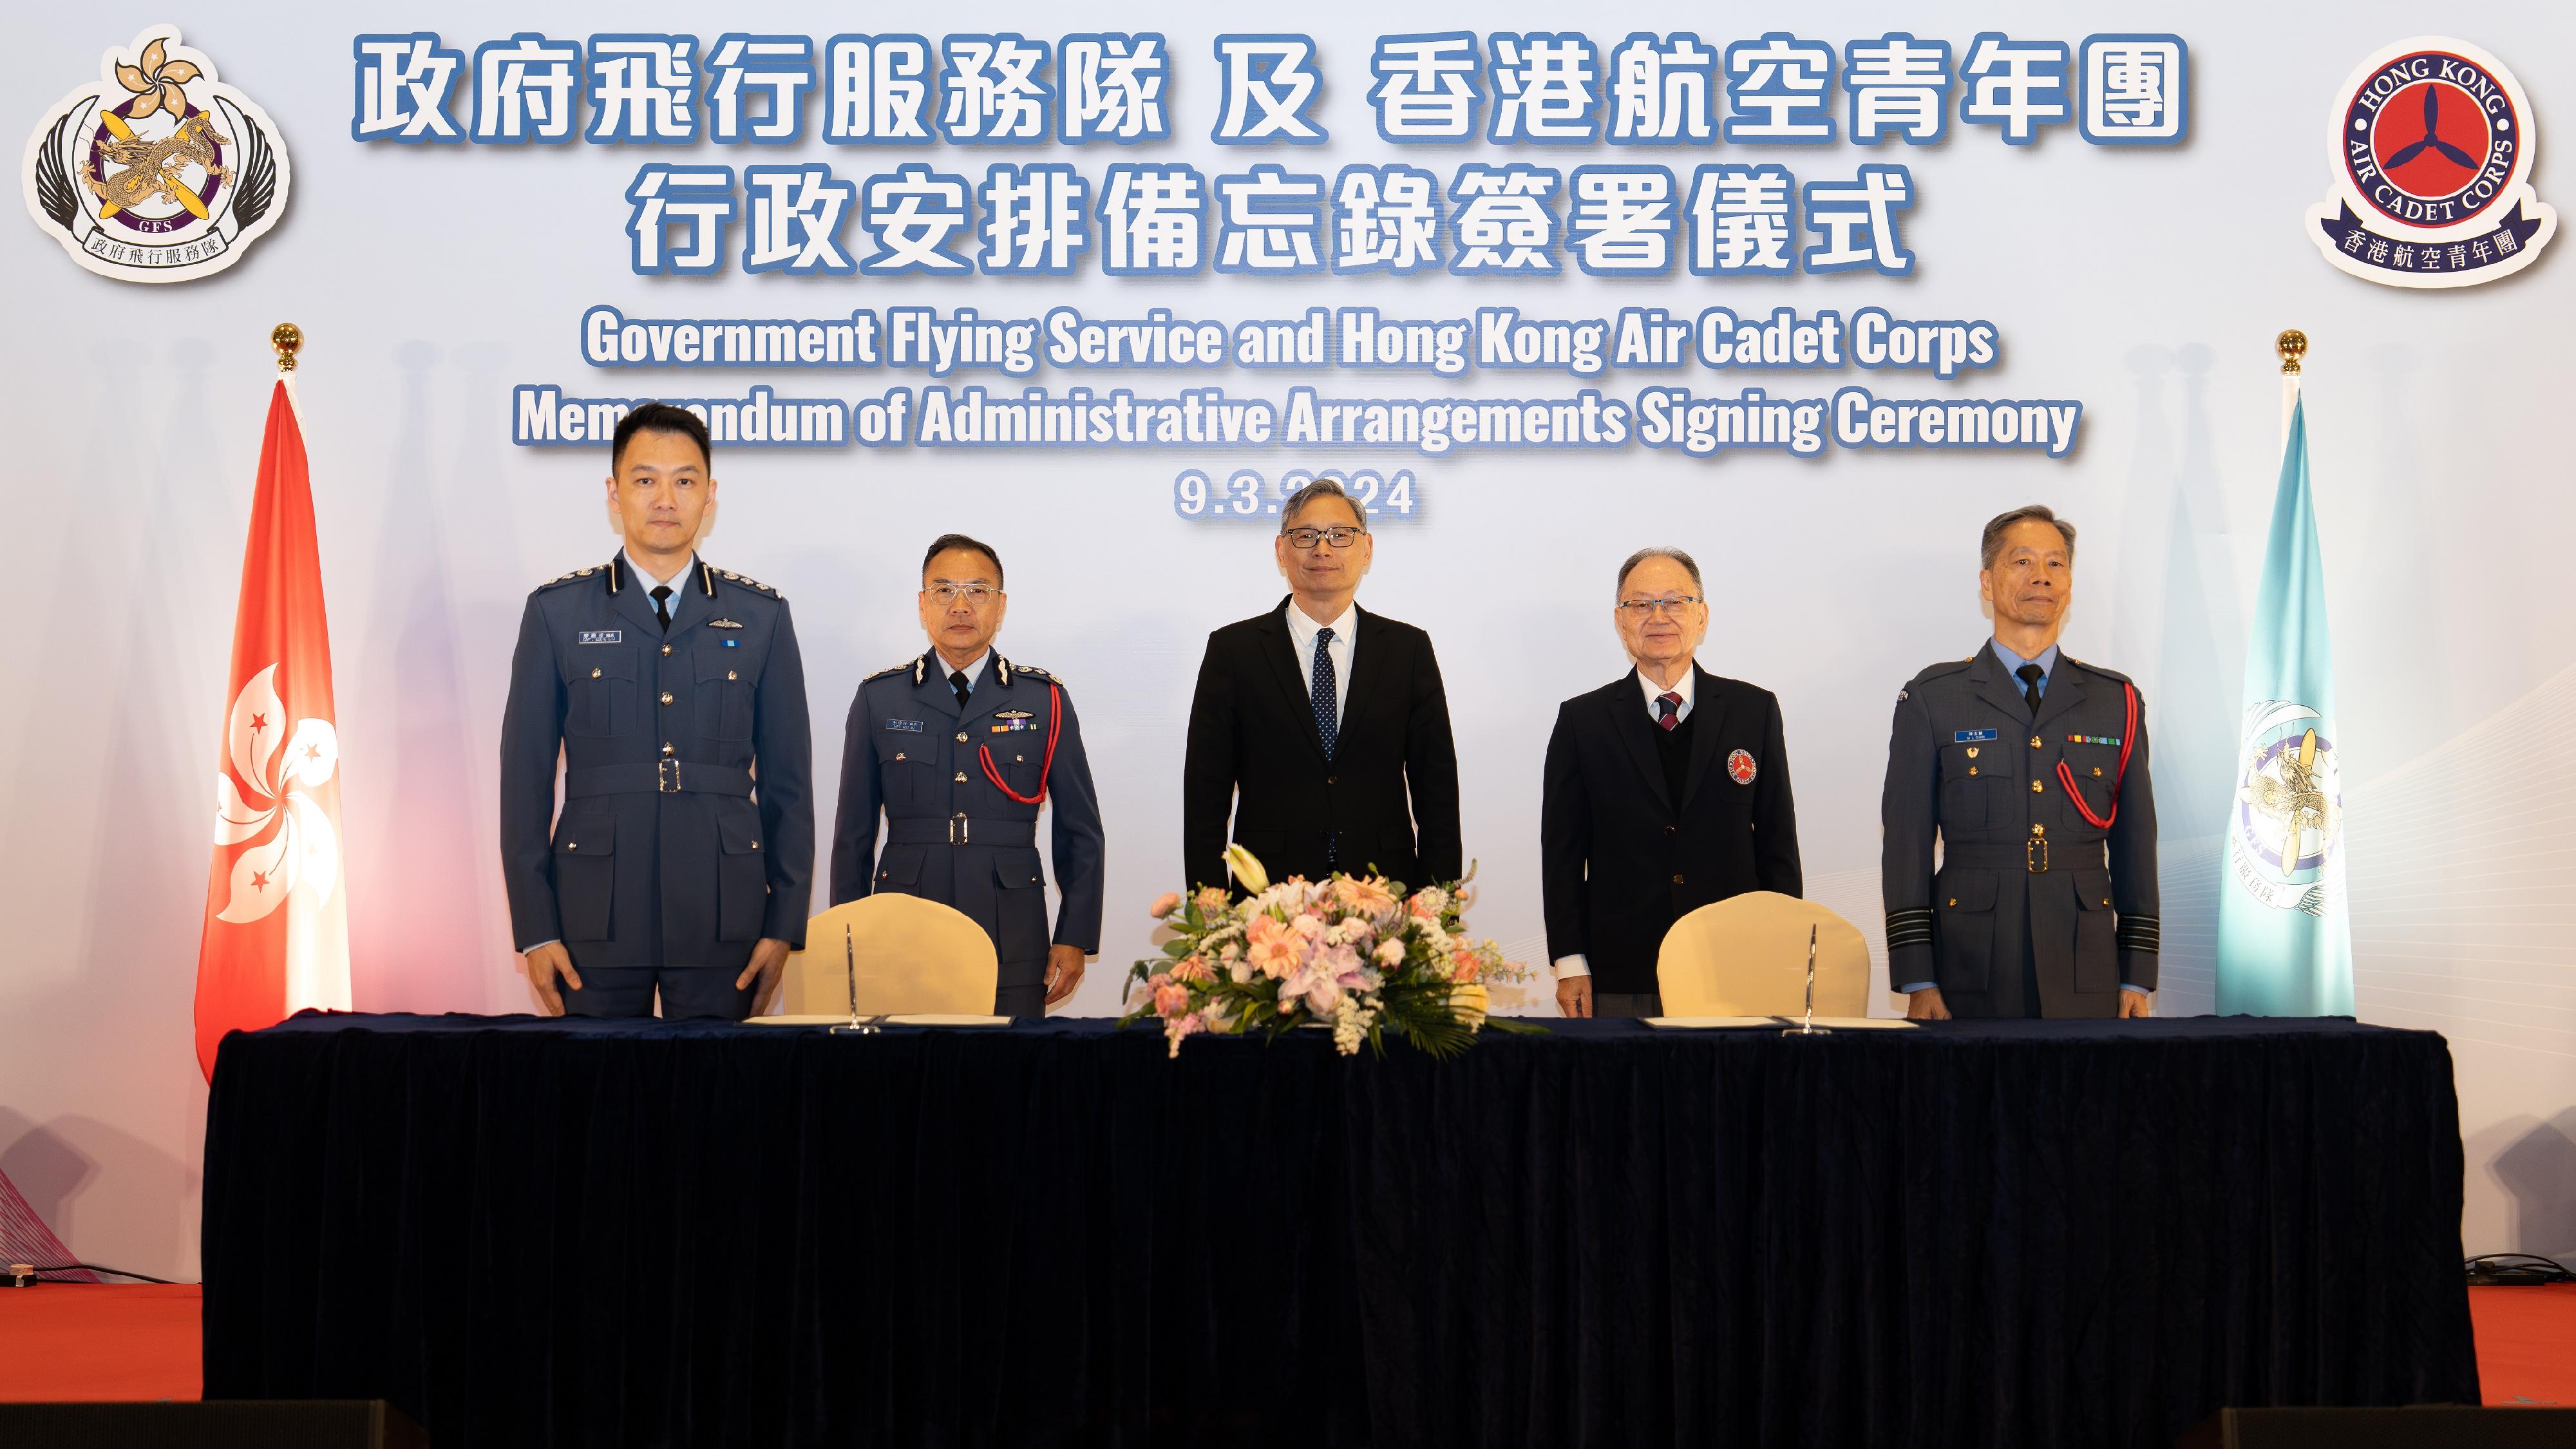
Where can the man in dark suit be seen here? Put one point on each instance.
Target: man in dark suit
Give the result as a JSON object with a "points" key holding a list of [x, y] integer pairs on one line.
{"points": [[1666, 789], [1319, 728], [673, 695]]}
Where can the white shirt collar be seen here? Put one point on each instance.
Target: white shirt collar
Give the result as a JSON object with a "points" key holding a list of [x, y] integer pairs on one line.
{"points": [[1302, 627], [644, 576], [1687, 687]]}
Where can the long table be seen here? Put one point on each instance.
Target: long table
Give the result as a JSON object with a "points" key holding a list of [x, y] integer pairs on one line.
{"points": [[582, 1233]]}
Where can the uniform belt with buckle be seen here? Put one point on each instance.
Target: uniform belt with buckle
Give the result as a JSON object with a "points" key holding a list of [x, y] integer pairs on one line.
{"points": [[961, 830], [658, 777]]}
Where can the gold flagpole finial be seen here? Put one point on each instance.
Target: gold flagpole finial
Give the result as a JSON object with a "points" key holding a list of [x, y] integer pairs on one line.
{"points": [[286, 337], [2292, 345]]}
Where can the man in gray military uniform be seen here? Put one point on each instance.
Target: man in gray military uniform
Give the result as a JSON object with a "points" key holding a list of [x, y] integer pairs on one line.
{"points": [[2032, 769], [959, 749], [673, 693]]}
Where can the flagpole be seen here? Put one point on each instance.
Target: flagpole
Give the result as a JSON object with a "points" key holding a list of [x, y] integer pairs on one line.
{"points": [[2292, 345]]}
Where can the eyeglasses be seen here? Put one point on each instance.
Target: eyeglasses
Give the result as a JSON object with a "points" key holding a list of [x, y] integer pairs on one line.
{"points": [[975, 595], [1303, 539], [1640, 608]]}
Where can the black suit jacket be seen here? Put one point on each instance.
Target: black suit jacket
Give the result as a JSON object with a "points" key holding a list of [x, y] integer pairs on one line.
{"points": [[1388, 796], [1621, 860]]}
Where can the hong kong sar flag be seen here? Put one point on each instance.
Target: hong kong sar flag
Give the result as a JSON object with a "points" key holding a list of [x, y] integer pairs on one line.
{"points": [[277, 927]]}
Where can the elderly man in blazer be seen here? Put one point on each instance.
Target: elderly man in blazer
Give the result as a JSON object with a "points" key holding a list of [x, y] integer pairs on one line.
{"points": [[1666, 789], [1319, 736]]}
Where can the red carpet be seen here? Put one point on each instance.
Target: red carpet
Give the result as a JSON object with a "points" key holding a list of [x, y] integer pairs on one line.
{"points": [[2526, 1343], [68, 1341], [80, 1341]]}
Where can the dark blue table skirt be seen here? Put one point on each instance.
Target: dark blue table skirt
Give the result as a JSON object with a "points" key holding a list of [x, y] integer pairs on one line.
{"points": [[2025, 1233]]}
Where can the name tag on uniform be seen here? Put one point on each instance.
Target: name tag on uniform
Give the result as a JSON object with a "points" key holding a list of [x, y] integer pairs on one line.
{"points": [[910, 726], [1970, 736], [602, 636]]}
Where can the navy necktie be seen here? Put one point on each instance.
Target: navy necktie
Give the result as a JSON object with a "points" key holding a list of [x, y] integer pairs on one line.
{"points": [[2029, 676], [1668, 706], [1327, 715], [662, 605]]}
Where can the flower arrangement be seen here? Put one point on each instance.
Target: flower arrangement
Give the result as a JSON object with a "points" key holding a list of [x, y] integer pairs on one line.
{"points": [[1355, 953]]}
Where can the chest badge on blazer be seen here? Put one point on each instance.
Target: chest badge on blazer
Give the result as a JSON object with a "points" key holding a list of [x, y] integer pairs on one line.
{"points": [[1740, 768]]}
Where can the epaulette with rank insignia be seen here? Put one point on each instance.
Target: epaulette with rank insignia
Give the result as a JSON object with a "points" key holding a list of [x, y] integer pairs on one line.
{"points": [[748, 582], [1946, 666], [1009, 667], [889, 669], [2111, 674], [576, 576]]}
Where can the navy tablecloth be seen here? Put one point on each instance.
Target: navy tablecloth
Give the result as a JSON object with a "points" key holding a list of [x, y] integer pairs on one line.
{"points": [[643, 1233]]}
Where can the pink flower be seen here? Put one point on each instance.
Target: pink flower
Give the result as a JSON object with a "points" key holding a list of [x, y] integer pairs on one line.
{"points": [[1194, 971], [1211, 899], [1389, 952], [1464, 968], [1164, 905], [1272, 946], [1171, 1000]]}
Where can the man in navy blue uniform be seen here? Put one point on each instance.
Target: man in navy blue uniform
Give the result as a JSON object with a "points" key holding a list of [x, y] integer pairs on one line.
{"points": [[959, 749], [673, 694]]}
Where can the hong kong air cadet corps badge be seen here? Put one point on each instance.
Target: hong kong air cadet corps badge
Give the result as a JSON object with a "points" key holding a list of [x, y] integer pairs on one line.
{"points": [[158, 172], [2433, 146]]}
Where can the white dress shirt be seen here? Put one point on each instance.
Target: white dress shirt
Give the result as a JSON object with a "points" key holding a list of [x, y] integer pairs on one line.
{"points": [[1302, 630], [1687, 688]]}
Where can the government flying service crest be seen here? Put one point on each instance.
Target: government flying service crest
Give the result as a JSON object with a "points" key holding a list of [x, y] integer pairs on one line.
{"points": [[2286, 840], [2433, 145], [159, 172]]}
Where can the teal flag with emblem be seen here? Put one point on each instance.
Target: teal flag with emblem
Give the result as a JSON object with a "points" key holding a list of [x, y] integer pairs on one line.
{"points": [[2284, 938]]}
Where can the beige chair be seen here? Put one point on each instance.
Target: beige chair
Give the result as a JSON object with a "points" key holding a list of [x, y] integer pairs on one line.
{"points": [[912, 956], [1747, 956]]}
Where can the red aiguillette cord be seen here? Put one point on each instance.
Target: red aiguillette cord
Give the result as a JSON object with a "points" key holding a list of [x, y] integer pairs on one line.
{"points": [[1055, 722], [2066, 777]]}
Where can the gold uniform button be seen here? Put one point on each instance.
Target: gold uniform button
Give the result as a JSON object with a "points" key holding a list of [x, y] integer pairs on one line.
{"points": [[2039, 830], [2036, 787], [961, 737], [961, 777], [666, 747], [2106, 900], [1954, 900], [1677, 880], [1972, 769], [728, 674], [756, 845], [2097, 772], [572, 845], [2034, 742], [666, 649], [666, 696], [594, 674]]}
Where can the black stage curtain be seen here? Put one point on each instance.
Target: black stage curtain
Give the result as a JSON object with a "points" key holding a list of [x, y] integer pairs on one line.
{"points": [[622, 1234]]}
